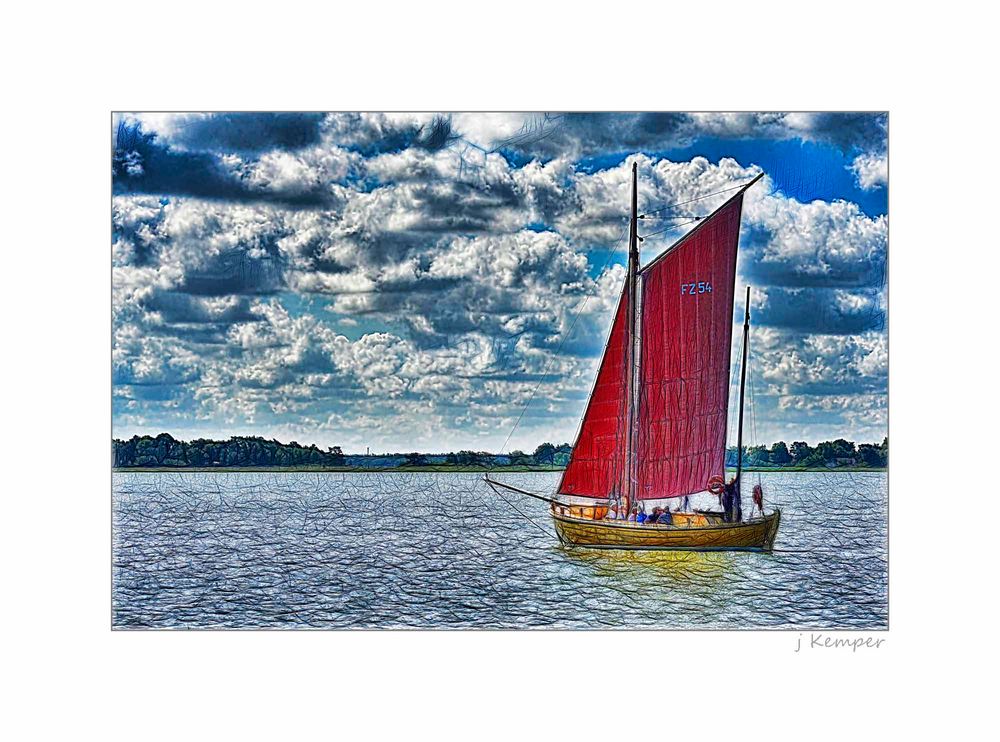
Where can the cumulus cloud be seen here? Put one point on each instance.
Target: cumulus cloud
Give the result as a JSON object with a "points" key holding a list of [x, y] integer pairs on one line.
{"points": [[871, 170], [380, 277], [585, 134], [145, 162], [236, 132]]}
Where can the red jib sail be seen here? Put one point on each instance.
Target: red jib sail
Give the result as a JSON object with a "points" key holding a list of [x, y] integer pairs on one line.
{"points": [[686, 331], [596, 465]]}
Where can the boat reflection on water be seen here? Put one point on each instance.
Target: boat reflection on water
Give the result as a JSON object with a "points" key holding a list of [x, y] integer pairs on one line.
{"points": [[679, 566]]}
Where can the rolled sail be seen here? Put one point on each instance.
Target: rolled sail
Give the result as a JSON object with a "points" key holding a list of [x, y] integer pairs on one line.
{"points": [[597, 465], [686, 325]]}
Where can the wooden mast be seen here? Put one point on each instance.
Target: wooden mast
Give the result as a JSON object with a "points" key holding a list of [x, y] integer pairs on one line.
{"points": [[743, 382], [633, 274]]}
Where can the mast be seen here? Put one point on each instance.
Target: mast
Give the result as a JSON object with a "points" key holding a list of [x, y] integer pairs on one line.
{"points": [[632, 278], [743, 381]]}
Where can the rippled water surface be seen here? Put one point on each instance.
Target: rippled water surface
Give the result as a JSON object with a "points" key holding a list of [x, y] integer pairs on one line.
{"points": [[310, 550]]}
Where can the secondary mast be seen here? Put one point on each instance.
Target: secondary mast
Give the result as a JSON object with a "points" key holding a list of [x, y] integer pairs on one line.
{"points": [[743, 382]]}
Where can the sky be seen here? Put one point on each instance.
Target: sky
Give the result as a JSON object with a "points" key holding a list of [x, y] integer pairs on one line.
{"points": [[435, 281]]}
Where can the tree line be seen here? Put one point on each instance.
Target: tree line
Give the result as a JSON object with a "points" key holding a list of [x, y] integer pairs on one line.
{"points": [[165, 451], [828, 454]]}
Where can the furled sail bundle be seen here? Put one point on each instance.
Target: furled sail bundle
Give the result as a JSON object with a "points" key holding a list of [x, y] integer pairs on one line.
{"points": [[656, 427]]}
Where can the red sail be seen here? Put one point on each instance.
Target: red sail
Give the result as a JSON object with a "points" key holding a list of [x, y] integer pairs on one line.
{"points": [[596, 465], [686, 331]]}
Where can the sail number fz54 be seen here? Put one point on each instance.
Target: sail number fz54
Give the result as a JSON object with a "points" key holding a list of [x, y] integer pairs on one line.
{"points": [[696, 287]]}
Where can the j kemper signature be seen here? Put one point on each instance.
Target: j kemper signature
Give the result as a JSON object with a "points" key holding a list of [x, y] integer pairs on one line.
{"points": [[822, 641]]}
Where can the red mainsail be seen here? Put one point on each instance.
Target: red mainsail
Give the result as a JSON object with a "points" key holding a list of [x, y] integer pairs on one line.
{"points": [[596, 466], [678, 402], [685, 334]]}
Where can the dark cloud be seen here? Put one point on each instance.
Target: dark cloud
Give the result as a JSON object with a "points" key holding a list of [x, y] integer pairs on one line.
{"points": [[863, 131], [360, 134], [257, 271], [248, 132], [585, 134], [824, 268], [462, 207], [142, 164], [177, 307], [622, 131], [821, 311], [589, 134]]}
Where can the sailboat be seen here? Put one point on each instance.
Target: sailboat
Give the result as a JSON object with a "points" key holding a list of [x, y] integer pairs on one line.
{"points": [[656, 422]]}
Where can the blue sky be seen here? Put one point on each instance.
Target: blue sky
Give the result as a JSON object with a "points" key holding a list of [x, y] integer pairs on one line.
{"points": [[408, 281]]}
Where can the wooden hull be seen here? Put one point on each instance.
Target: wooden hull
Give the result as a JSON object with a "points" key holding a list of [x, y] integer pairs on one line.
{"points": [[753, 535]]}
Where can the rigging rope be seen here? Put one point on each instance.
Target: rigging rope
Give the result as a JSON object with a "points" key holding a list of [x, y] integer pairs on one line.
{"points": [[672, 226], [673, 216], [689, 201], [516, 510], [562, 342]]}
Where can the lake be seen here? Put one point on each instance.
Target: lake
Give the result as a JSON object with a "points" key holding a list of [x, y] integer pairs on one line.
{"points": [[441, 550]]}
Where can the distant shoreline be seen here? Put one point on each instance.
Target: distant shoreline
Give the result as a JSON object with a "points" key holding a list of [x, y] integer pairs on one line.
{"points": [[443, 468], [253, 453]]}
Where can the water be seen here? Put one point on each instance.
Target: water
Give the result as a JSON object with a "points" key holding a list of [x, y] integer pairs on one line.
{"points": [[441, 550]]}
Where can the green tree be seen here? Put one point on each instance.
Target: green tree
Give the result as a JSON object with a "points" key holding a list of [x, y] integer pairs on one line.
{"points": [[416, 459], [843, 449], [815, 459], [544, 454], [800, 451], [871, 455], [779, 454], [520, 458], [562, 455]]}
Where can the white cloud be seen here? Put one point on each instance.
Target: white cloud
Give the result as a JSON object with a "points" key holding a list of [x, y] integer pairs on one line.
{"points": [[295, 173], [460, 306], [486, 129], [871, 170]]}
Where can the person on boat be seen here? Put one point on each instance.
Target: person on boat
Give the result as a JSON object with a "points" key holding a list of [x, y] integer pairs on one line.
{"points": [[685, 504], [731, 510], [641, 517], [660, 515]]}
